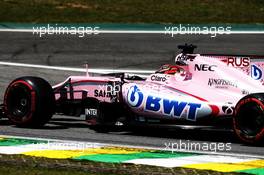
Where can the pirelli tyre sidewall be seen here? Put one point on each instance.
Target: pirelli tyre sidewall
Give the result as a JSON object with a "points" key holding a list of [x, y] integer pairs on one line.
{"points": [[29, 102], [248, 119]]}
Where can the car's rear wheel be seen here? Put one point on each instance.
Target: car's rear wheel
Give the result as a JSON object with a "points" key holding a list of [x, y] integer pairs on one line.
{"points": [[29, 102], [248, 119]]}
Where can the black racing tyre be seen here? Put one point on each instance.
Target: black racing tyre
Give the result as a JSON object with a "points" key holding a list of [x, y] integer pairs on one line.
{"points": [[29, 102], [248, 118]]}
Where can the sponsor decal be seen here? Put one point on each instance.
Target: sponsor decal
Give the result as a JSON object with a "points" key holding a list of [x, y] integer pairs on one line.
{"points": [[168, 107], [238, 61], [102, 93], [228, 109], [134, 96], [158, 78], [204, 67], [221, 83], [244, 92], [256, 72], [90, 112], [183, 57], [109, 90]]}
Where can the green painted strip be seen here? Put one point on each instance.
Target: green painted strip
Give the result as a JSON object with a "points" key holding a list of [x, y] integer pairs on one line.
{"points": [[136, 27], [17, 142], [257, 171], [118, 158]]}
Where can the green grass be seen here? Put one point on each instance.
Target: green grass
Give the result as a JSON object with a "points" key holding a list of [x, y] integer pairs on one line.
{"points": [[21, 164], [31, 170], [132, 11]]}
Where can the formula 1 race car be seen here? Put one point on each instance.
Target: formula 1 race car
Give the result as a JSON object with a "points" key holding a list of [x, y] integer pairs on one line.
{"points": [[197, 90]]}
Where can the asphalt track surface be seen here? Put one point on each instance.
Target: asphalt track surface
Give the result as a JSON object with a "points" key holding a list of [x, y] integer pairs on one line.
{"points": [[124, 51]]}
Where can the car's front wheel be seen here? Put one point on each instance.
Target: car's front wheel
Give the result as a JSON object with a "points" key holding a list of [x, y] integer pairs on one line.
{"points": [[29, 102], [248, 119]]}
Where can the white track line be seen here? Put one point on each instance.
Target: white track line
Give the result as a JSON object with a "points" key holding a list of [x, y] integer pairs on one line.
{"points": [[188, 160], [143, 147], [138, 31], [99, 71]]}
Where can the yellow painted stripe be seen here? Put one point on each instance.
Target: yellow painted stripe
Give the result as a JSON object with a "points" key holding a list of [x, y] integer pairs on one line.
{"points": [[2, 137], [55, 154], [128, 149], [228, 167], [64, 154], [111, 150]]}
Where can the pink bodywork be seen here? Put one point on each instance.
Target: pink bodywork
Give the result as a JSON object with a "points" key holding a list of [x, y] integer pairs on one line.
{"points": [[96, 87], [206, 86]]}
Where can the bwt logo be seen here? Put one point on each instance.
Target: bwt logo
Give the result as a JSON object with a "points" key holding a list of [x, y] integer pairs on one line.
{"points": [[167, 107], [134, 96], [256, 73]]}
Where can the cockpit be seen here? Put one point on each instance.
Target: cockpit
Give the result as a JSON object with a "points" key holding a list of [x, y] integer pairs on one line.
{"points": [[180, 71]]}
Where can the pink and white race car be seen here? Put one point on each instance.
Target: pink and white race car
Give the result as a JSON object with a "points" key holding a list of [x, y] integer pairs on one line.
{"points": [[197, 91]]}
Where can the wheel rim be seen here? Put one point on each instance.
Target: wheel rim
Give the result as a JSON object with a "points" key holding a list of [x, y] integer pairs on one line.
{"points": [[19, 101], [250, 119]]}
